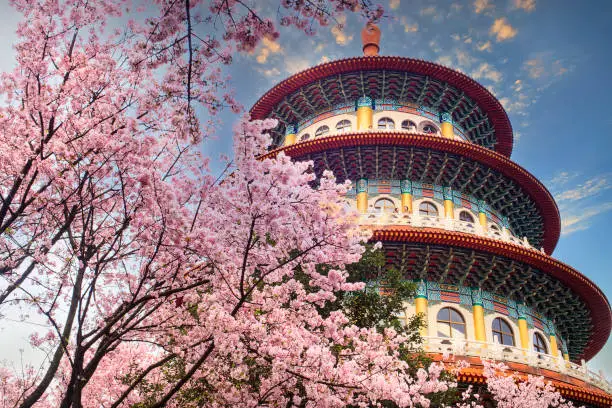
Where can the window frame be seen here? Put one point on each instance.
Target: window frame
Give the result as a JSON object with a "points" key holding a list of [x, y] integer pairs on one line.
{"points": [[435, 207], [502, 333], [472, 220], [387, 120], [536, 346], [343, 129], [323, 133], [384, 199], [450, 322], [410, 124]]}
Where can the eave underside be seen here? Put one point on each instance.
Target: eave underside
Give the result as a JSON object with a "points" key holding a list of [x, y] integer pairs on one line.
{"points": [[579, 310], [442, 168], [403, 87]]}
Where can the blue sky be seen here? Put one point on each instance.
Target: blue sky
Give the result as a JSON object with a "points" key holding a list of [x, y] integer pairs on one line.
{"points": [[547, 61]]}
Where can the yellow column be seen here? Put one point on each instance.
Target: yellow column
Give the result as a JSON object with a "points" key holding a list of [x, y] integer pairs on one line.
{"points": [[523, 332], [290, 136], [478, 313], [566, 356], [449, 207], [553, 346], [362, 195], [406, 190], [365, 113], [446, 126], [482, 215], [420, 303]]}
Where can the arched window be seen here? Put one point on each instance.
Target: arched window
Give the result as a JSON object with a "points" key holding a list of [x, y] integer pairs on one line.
{"points": [[386, 123], [430, 129], [428, 209], [450, 323], [384, 205], [344, 126], [539, 344], [466, 216], [305, 136], [502, 333], [409, 125], [323, 130], [495, 229]]}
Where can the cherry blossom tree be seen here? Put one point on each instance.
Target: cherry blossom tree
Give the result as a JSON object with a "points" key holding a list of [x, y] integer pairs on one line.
{"points": [[138, 259]]}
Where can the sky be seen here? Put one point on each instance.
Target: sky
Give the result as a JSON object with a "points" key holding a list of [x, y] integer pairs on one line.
{"points": [[547, 61]]}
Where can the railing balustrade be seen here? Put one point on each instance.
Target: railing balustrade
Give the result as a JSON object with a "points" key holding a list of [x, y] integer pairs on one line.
{"points": [[502, 352], [428, 221]]}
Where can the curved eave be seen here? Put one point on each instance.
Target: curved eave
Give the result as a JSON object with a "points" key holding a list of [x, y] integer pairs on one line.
{"points": [[479, 94], [539, 194], [591, 295], [569, 387]]}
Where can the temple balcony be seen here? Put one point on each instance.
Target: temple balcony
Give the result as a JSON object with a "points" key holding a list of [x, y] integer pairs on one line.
{"points": [[380, 218], [510, 354]]}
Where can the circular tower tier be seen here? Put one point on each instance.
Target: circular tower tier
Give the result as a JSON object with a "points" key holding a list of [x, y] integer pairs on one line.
{"points": [[427, 150], [394, 83]]}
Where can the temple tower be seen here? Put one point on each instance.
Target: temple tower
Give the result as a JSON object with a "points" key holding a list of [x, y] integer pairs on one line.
{"points": [[428, 151]]}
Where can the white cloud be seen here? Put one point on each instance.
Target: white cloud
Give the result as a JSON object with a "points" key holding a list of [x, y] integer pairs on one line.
{"points": [[579, 203], [486, 71], [589, 188], [580, 221], [394, 4], [294, 65], [502, 30], [445, 60], [428, 11]]}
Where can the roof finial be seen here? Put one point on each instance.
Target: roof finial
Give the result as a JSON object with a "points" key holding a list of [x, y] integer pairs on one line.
{"points": [[370, 38]]}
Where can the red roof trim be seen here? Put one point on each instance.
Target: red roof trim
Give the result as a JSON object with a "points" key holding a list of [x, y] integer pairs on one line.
{"points": [[593, 297], [544, 201], [479, 94], [566, 385]]}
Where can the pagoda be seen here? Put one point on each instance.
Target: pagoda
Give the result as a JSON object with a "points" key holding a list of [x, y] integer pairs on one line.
{"points": [[428, 151]]}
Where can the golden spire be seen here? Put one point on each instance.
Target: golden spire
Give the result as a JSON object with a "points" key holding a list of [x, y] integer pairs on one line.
{"points": [[370, 38]]}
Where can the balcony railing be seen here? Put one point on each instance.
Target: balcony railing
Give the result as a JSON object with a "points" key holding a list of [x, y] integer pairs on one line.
{"points": [[427, 221], [500, 352]]}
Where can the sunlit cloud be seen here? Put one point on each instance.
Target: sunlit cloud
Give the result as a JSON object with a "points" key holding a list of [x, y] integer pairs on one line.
{"points": [[394, 4], [485, 46], [534, 67], [544, 65], [267, 47], [502, 30], [339, 33], [527, 5], [480, 6], [409, 28]]}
